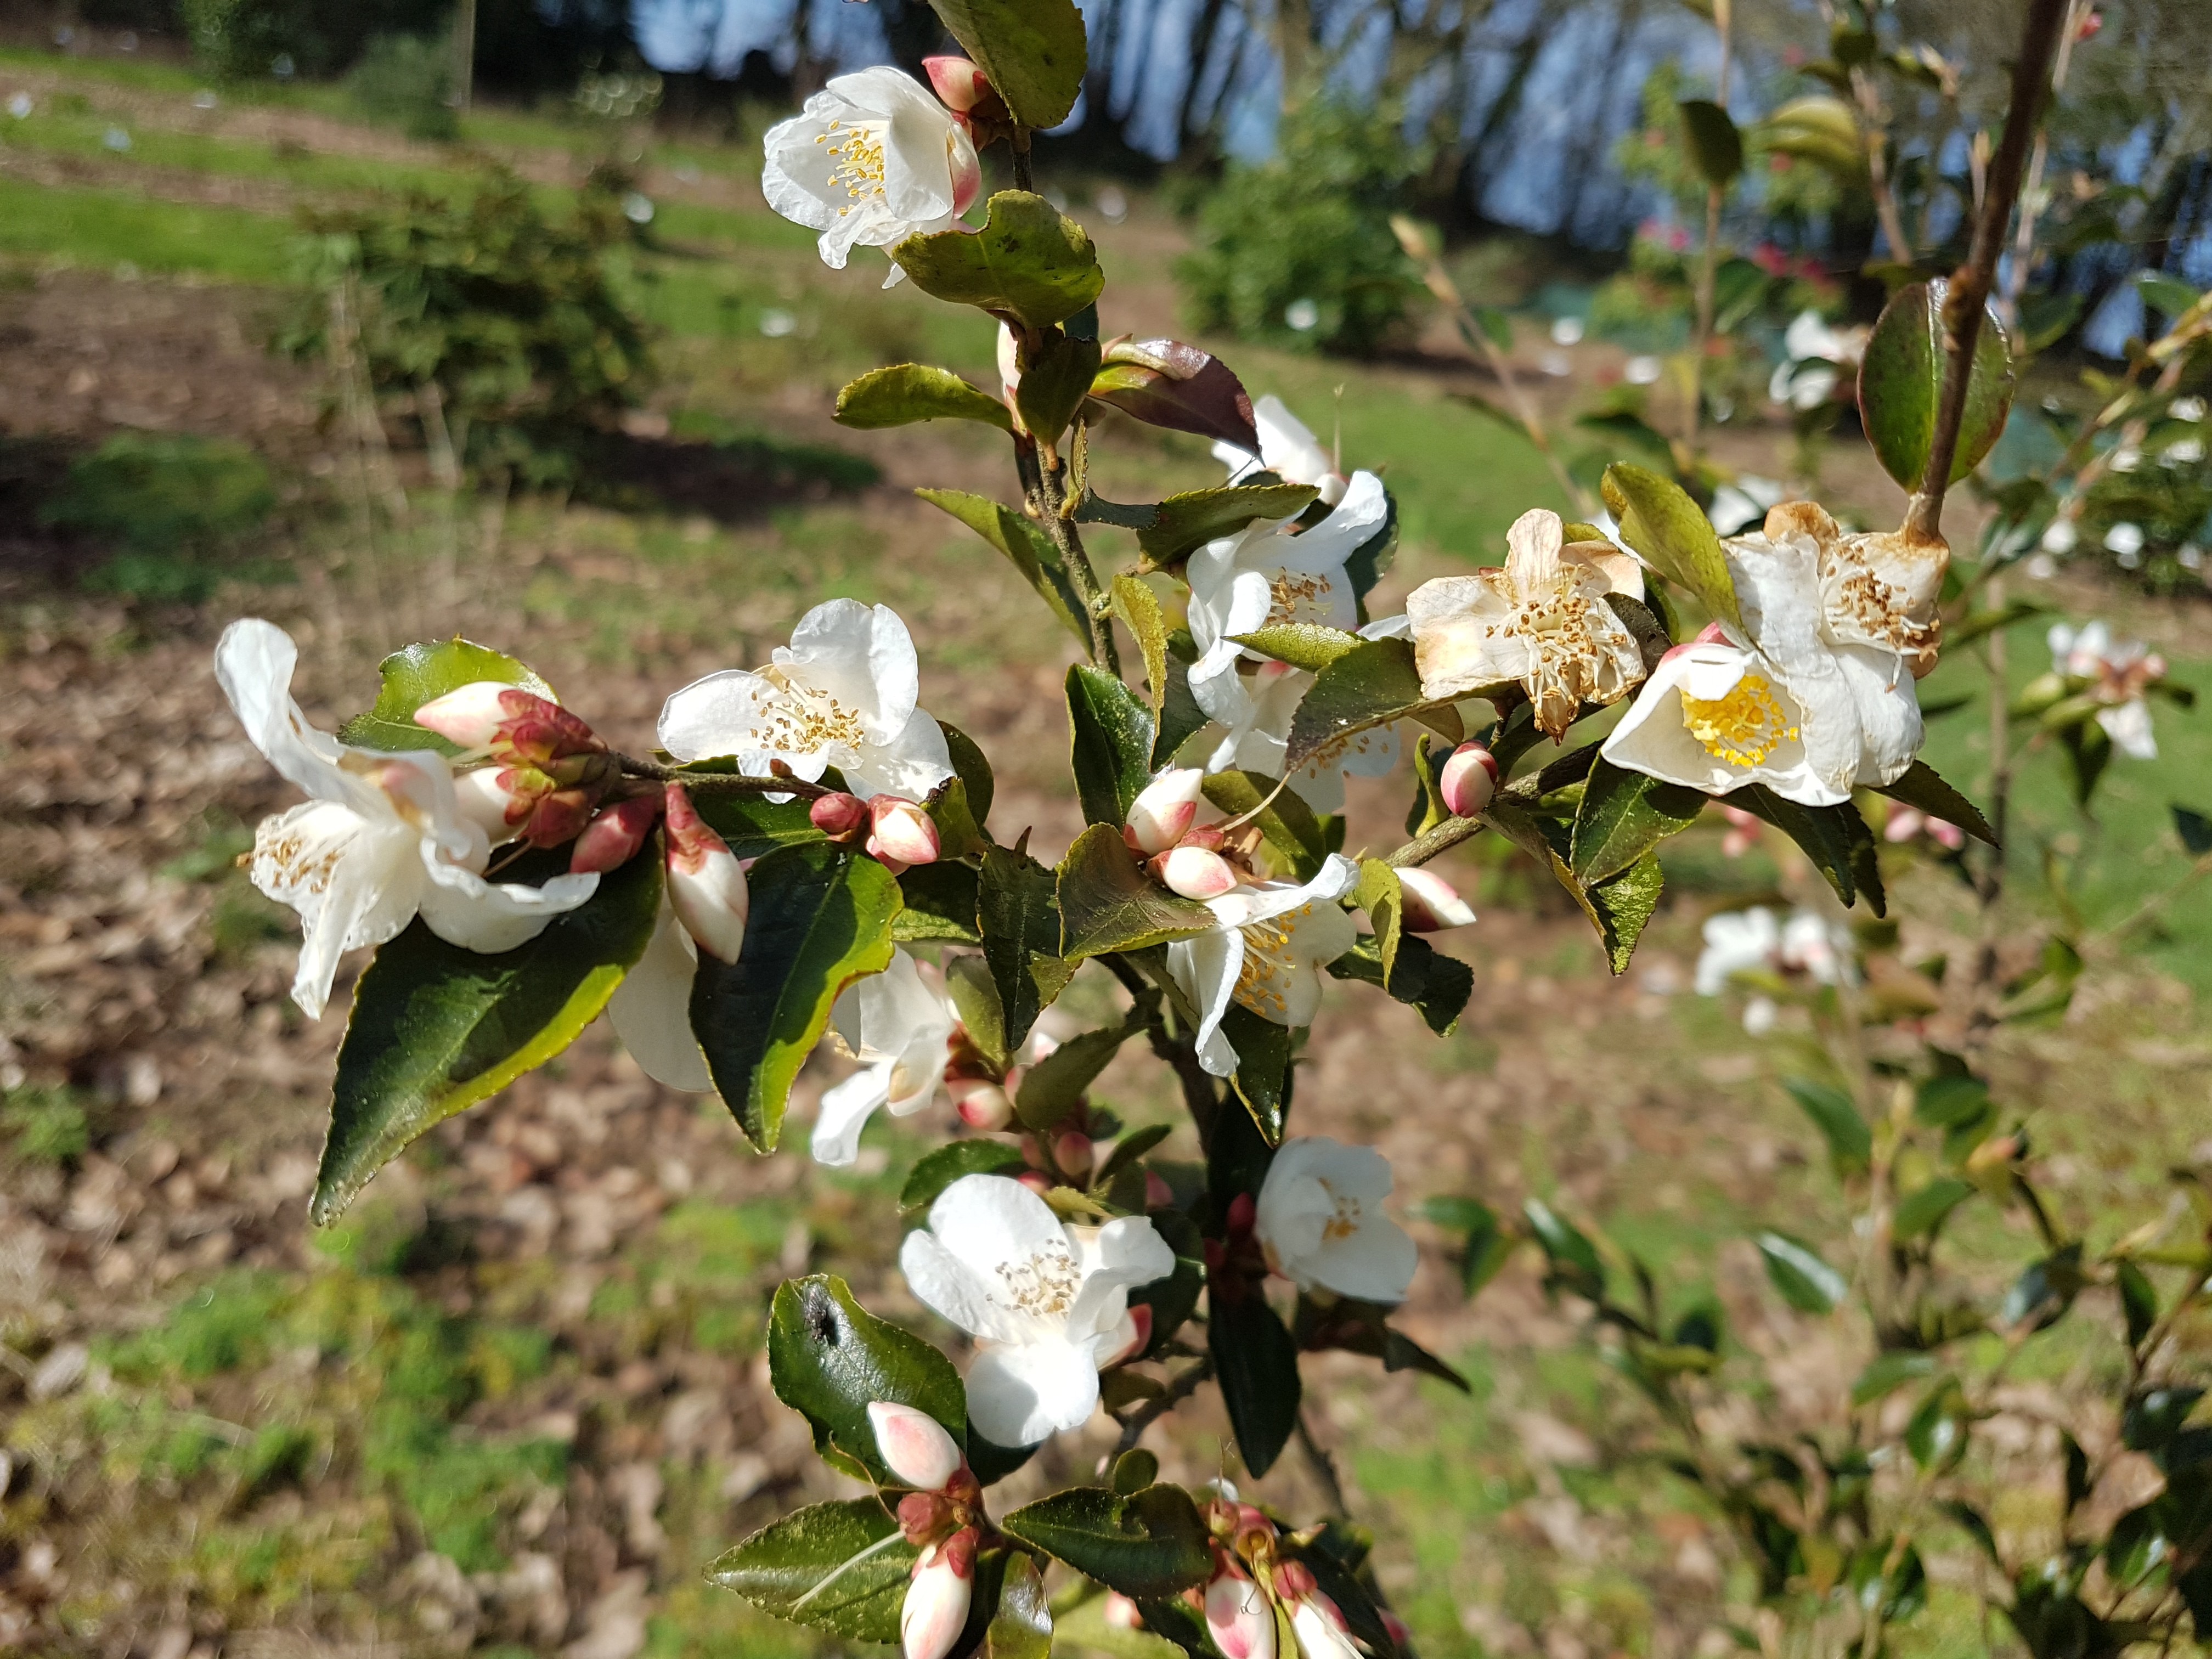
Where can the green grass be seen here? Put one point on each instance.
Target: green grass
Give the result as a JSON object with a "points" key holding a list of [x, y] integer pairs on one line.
{"points": [[114, 227]]}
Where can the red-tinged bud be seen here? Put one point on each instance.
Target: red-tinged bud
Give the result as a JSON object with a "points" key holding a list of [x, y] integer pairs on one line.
{"points": [[471, 715], [1036, 1180], [1244, 1210], [1195, 872], [1400, 1632], [839, 816], [901, 834], [1294, 1580], [1075, 1152], [559, 817], [2091, 26], [488, 798], [1164, 809], [547, 733], [613, 839], [1136, 1336], [1432, 903], [959, 83], [1120, 1613], [981, 1103], [935, 1608], [704, 885], [1239, 1618], [923, 1515], [1470, 779], [913, 1445], [1159, 1196], [1208, 835]]}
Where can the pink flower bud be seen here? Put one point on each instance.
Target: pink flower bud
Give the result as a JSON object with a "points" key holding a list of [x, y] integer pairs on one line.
{"points": [[1208, 835], [838, 815], [613, 839], [1164, 809], [981, 1103], [471, 715], [1318, 1625], [913, 1445], [935, 1608], [1432, 903], [1238, 1615], [1136, 1334], [959, 84], [1074, 1152], [704, 885], [1121, 1612], [487, 797], [1195, 872], [1470, 779], [1159, 1196], [1036, 1181], [559, 815], [1400, 1632], [902, 834]]}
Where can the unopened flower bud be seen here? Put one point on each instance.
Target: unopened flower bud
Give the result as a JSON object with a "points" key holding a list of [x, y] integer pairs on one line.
{"points": [[1239, 1617], [488, 799], [559, 815], [935, 1608], [1120, 1613], [838, 815], [1136, 1334], [901, 834], [1074, 1152], [1036, 1180], [704, 885], [1195, 872], [959, 83], [1470, 779], [913, 1445], [1208, 835], [1164, 809], [612, 838], [981, 1103], [543, 732], [1432, 903], [471, 715], [1159, 1196]]}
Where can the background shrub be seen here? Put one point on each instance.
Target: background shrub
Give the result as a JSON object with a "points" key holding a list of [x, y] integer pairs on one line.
{"points": [[408, 80], [177, 510]]}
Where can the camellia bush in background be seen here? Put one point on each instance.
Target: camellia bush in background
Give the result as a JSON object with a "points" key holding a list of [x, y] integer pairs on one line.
{"points": [[809, 855]]}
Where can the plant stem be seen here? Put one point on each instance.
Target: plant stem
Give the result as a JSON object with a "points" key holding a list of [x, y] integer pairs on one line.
{"points": [[1324, 1467], [1185, 1385], [1052, 510], [2031, 201], [1441, 839], [1970, 284], [724, 782], [1709, 262]]}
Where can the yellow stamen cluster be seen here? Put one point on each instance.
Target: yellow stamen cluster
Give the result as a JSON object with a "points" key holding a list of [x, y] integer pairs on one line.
{"points": [[1742, 728], [804, 721], [1297, 597], [860, 161], [1045, 1284], [1346, 1222], [1266, 967]]}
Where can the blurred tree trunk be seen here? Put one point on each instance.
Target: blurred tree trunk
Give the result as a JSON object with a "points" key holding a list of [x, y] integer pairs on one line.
{"points": [[465, 54]]}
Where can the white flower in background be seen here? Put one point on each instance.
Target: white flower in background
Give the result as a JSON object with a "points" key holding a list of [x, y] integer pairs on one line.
{"points": [[1800, 701], [1736, 942], [1287, 449], [872, 159], [897, 1025], [1320, 1220], [380, 839], [1255, 732], [2117, 671], [1539, 619], [842, 694], [1816, 357], [1819, 947], [1269, 943], [1753, 940], [1047, 1303], [1743, 503]]}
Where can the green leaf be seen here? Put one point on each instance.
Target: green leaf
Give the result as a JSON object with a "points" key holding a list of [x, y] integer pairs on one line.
{"points": [[1288, 822], [939, 1169], [1716, 146], [2138, 1300], [1796, 1271], [1488, 1246], [1926, 1209], [938, 905], [1424, 978], [1303, 645], [1110, 736], [1888, 1372], [1181, 717], [1029, 548], [783, 1564], [828, 1357], [1937, 1436], [1573, 1260], [1371, 684], [1139, 611], [1087, 1629], [2194, 828], [1169, 384], [1256, 1364], [1263, 1067], [1106, 901], [1056, 379], [1031, 262], [1836, 839], [1181, 523], [1658, 520], [753, 827], [1020, 923], [1851, 1142], [1151, 1543], [417, 674], [436, 1028], [1620, 906], [1922, 787], [1133, 1471], [1949, 1100], [906, 392], [1033, 51], [1051, 1088], [1901, 385], [1382, 896], [972, 767], [1623, 816], [1021, 1627], [821, 918]]}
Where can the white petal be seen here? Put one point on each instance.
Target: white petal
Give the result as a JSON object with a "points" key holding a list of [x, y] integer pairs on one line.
{"points": [[253, 662], [861, 655], [1020, 1394], [913, 765], [1888, 708], [352, 881], [1207, 967], [943, 1282], [1287, 447], [991, 1222], [845, 1109], [1117, 1258], [651, 1010], [464, 909], [2129, 727], [716, 716]]}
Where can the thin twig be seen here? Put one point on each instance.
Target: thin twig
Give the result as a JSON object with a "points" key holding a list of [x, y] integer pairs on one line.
{"points": [[1441, 839], [1184, 1385], [1709, 261], [1324, 1468], [724, 782]]}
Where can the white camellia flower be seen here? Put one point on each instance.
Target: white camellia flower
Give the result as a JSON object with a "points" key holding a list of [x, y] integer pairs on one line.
{"points": [[843, 693], [2118, 669], [1287, 448], [1815, 357], [1736, 942], [380, 839], [896, 1024], [1800, 701], [1541, 619], [1047, 1303], [1749, 941], [1320, 1220], [1269, 944], [872, 159], [1254, 731], [651, 1009]]}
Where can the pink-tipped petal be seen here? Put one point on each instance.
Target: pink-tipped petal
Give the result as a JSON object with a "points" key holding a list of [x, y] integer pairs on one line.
{"points": [[981, 1103], [959, 84], [838, 815], [900, 832], [913, 1445], [1195, 872], [471, 715], [1164, 809], [1470, 779], [1432, 903], [706, 887], [1239, 1619], [612, 838], [935, 1608]]}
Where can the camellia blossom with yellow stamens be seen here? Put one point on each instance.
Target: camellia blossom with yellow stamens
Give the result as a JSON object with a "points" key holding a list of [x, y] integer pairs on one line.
{"points": [[1320, 1221], [1265, 952], [871, 160], [1256, 729], [1540, 620]]}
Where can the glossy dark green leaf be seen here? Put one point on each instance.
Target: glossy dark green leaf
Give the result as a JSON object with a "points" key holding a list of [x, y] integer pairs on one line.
{"points": [[753, 827], [1658, 520], [1286, 821], [1133, 1471], [1886, 1373], [1148, 1543], [1716, 146], [1033, 51], [828, 1357], [1053, 1087], [1139, 611], [416, 674], [1030, 262], [1926, 1208], [2152, 1419], [1056, 379], [1262, 1081], [1618, 907], [2194, 829], [1424, 978], [1108, 902], [1836, 839], [938, 905], [1374, 683], [1110, 741], [1796, 1271], [1303, 645], [2138, 1300], [1922, 787], [939, 1168], [1167, 383], [2040, 1297], [436, 1028], [820, 920], [1173, 528], [1256, 1365], [1029, 549], [1850, 1141], [1382, 897], [1901, 385], [1181, 717], [906, 392], [1937, 1433], [1573, 1260], [1021, 1620], [1890, 1583], [785, 1563], [974, 992], [1623, 816], [1021, 925]]}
